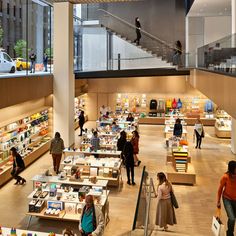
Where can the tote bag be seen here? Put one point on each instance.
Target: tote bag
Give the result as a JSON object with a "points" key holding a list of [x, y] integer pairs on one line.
{"points": [[173, 200], [217, 227]]}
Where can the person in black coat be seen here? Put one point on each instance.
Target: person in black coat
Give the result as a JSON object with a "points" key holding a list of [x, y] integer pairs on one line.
{"points": [[178, 129], [121, 143], [138, 33], [130, 118], [18, 166], [129, 161], [81, 122]]}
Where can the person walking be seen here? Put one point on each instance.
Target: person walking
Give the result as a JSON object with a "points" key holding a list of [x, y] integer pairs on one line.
{"points": [[177, 54], [18, 166], [178, 128], [128, 153], [135, 143], [92, 219], [165, 214], [81, 122], [45, 62], [56, 149], [33, 61], [227, 190], [121, 144], [138, 33], [199, 133]]}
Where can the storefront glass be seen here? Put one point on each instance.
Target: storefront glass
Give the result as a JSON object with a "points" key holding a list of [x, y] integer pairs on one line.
{"points": [[25, 29]]}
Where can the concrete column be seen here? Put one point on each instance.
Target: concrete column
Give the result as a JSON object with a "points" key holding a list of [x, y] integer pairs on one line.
{"points": [[64, 83], [39, 49], [233, 22], [187, 41], [233, 136]]}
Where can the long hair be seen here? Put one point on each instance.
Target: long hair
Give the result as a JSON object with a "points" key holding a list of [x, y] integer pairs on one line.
{"points": [[162, 179], [135, 132], [14, 151], [231, 168], [123, 135]]}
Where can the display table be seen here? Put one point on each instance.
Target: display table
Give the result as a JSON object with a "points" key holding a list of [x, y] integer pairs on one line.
{"points": [[64, 199], [223, 127], [188, 178], [7, 231], [169, 132], [103, 168], [87, 152]]}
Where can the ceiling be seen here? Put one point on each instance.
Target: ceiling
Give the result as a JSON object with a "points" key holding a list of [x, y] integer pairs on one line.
{"points": [[210, 8], [92, 1]]}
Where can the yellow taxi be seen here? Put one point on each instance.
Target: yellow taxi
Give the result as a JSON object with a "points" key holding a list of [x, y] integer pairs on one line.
{"points": [[21, 64]]}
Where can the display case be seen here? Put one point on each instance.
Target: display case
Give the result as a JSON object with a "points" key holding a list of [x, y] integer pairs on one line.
{"points": [[223, 125], [59, 198], [101, 168], [80, 105], [30, 134], [169, 127]]}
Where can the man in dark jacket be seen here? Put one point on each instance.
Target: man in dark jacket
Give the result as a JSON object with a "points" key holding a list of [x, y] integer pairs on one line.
{"points": [[81, 122], [138, 33], [33, 61]]}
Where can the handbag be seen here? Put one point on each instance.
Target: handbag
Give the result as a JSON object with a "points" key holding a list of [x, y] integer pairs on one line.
{"points": [[217, 227], [173, 200]]}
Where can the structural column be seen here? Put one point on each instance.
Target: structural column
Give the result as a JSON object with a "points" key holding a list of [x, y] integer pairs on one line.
{"points": [[64, 82], [233, 136]]}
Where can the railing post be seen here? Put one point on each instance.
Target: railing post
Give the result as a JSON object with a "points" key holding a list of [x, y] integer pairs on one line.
{"points": [[118, 61]]}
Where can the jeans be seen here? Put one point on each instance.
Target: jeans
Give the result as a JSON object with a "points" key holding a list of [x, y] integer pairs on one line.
{"points": [[32, 67], [130, 169], [45, 64], [199, 139], [230, 208]]}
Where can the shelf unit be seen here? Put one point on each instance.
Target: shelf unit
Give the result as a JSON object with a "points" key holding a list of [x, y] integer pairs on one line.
{"points": [[223, 125], [30, 133], [67, 196], [103, 168]]}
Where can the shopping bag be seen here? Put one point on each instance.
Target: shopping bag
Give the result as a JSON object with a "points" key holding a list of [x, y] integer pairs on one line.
{"points": [[173, 200], [217, 226]]}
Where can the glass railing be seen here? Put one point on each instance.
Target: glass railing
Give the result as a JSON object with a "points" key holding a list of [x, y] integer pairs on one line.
{"points": [[219, 56], [25, 38]]}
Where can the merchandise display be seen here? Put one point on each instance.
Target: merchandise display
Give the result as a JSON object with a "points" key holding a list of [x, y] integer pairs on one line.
{"points": [[89, 166], [223, 124], [4, 231], [169, 127], [65, 198], [80, 105], [29, 133]]}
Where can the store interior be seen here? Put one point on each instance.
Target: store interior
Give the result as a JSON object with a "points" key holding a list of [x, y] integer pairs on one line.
{"points": [[29, 126]]}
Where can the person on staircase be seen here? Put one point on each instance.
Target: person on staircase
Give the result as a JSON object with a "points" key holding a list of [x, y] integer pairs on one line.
{"points": [[138, 32]]}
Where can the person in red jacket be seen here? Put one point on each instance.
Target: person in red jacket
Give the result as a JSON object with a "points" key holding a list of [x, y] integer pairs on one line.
{"points": [[135, 142], [227, 190]]}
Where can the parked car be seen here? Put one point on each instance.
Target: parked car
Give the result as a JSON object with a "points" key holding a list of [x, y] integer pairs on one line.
{"points": [[21, 64], [7, 65]]}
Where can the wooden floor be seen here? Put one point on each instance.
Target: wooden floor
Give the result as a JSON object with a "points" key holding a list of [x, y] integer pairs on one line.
{"points": [[197, 203]]}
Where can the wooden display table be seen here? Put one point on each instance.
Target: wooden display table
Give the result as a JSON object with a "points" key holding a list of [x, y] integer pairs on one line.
{"points": [[7, 231], [174, 177], [222, 133]]}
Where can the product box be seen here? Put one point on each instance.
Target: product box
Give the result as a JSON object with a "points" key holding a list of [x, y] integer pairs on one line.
{"points": [[39, 206], [53, 192], [114, 173], [55, 205], [32, 205]]}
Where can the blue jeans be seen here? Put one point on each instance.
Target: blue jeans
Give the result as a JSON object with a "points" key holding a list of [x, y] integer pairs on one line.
{"points": [[230, 208]]}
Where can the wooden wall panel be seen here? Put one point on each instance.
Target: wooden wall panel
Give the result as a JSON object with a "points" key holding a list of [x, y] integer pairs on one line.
{"points": [[21, 89], [219, 88]]}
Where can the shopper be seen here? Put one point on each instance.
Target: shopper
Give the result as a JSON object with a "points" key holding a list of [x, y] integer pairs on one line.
{"points": [[33, 61], [227, 190], [130, 118], [81, 122], [92, 220], [165, 214], [199, 133], [18, 166], [128, 153], [135, 143], [103, 110], [121, 144], [177, 54], [114, 127], [95, 141], [178, 129], [45, 62], [56, 149], [138, 33]]}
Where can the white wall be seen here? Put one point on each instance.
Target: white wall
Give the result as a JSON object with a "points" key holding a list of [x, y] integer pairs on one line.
{"points": [[216, 28], [94, 50]]}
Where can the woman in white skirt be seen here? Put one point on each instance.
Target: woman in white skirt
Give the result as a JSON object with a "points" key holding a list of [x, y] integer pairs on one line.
{"points": [[165, 214]]}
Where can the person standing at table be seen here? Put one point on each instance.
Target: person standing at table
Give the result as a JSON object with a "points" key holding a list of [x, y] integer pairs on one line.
{"points": [[178, 129], [121, 144], [81, 122], [199, 133], [56, 149], [130, 118], [135, 143]]}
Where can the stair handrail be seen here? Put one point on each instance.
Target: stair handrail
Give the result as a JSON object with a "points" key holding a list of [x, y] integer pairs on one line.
{"points": [[134, 27]]}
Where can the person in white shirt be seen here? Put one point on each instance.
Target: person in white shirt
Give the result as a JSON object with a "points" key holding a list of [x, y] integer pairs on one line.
{"points": [[199, 132]]}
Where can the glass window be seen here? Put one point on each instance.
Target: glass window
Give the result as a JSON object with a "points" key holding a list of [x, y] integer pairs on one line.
{"points": [[6, 57], [0, 5], [8, 8]]}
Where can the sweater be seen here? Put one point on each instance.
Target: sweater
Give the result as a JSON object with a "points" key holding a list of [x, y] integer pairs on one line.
{"points": [[228, 187]]}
